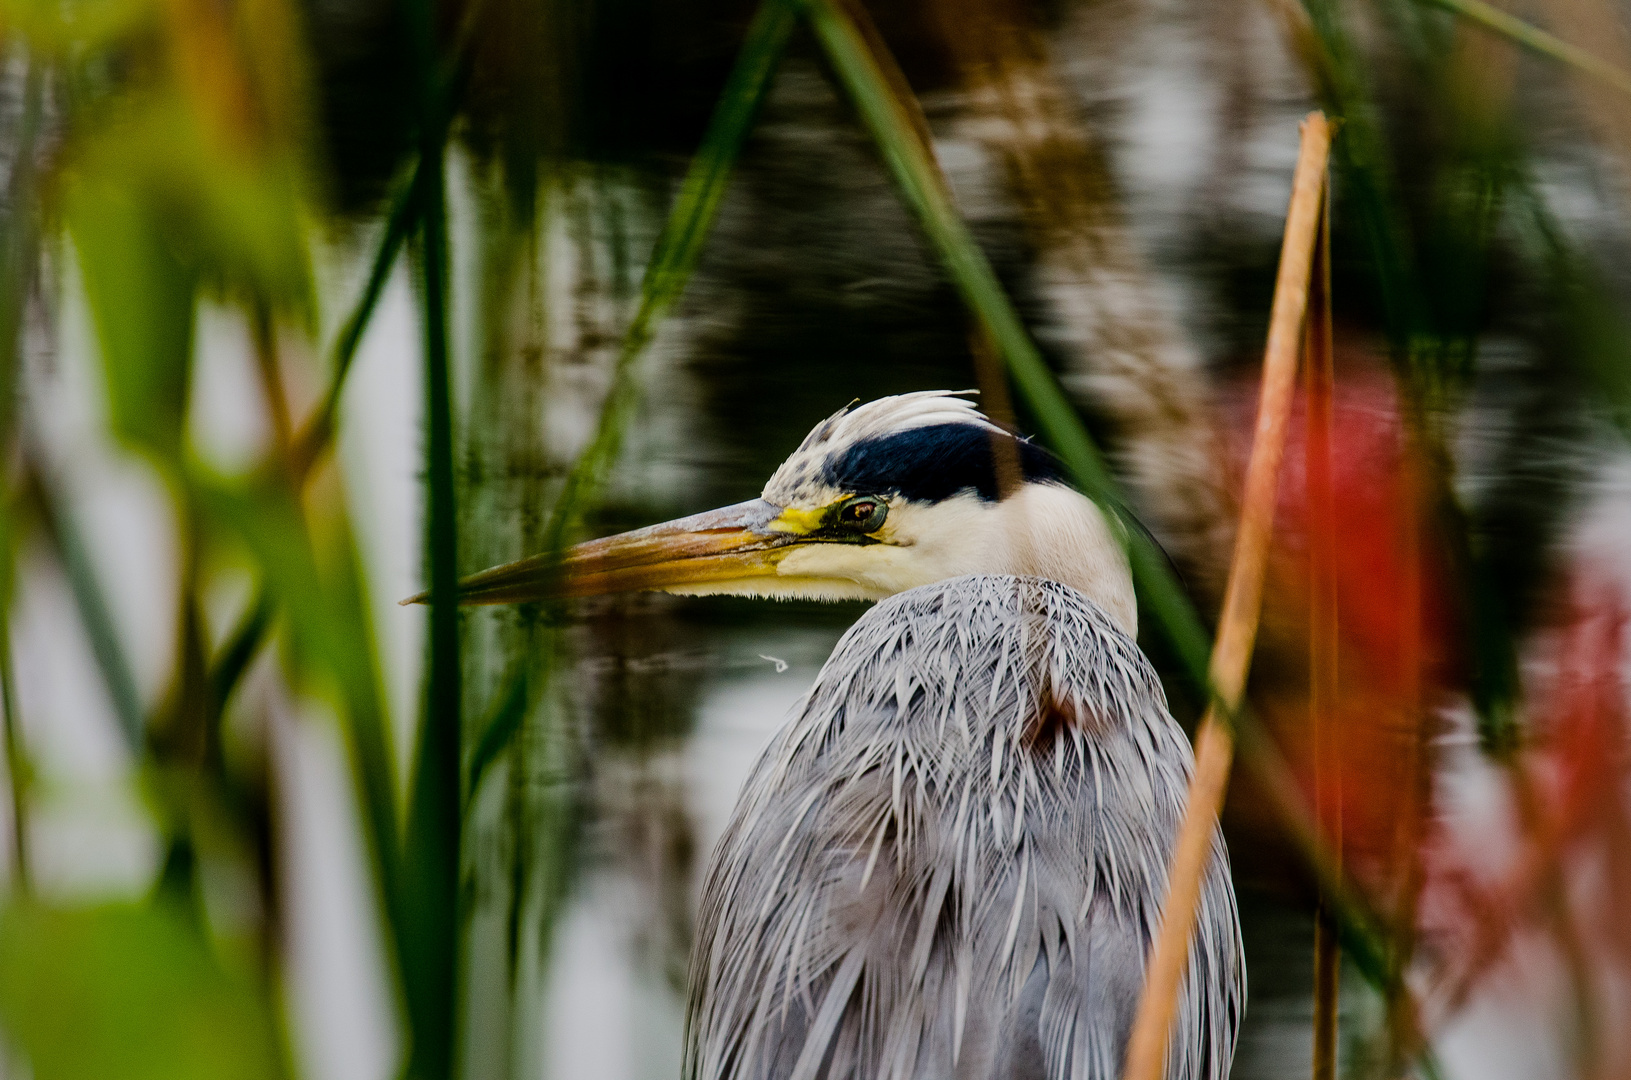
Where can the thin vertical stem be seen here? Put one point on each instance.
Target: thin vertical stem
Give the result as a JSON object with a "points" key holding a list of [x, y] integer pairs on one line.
{"points": [[430, 936], [1319, 379], [271, 377], [19, 255], [1242, 602], [995, 403], [17, 767], [434, 815], [94, 615], [319, 430], [19, 247], [235, 656]]}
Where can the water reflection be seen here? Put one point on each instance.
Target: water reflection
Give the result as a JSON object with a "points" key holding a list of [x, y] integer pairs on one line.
{"points": [[616, 997]]}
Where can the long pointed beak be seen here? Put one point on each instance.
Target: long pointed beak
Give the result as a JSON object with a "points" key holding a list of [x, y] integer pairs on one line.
{"points": [[728, 544]]}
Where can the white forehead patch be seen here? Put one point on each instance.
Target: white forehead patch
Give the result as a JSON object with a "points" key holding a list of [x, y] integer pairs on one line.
{"points": [[799, 479]]}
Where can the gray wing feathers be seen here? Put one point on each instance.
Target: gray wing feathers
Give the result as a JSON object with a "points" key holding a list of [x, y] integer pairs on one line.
{"points": [[949, 863]]}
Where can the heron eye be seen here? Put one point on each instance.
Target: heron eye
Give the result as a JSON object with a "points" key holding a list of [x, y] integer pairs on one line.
{"points": [[863, 514]]}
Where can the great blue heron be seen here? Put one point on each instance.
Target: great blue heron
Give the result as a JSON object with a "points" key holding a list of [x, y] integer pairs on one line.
{"points": [[951, 861]]}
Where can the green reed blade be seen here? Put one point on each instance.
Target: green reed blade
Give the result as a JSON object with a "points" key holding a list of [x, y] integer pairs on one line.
{"points": [[235, 656], [19, 772], [918, 176], [94, 615], [678, 248], [499, 728], [430, 934], [1539, 41], [889, 120], [398, 222]]}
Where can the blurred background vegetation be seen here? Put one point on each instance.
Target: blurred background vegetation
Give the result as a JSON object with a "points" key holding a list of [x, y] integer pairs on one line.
{"points": [[308, 305]]}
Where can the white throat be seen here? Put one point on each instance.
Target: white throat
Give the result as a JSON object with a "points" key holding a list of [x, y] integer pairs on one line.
{"points": [[1042, 530]]}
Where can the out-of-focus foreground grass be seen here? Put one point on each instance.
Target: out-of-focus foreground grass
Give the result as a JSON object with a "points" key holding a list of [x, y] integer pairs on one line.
{"points": [[272, 165]]}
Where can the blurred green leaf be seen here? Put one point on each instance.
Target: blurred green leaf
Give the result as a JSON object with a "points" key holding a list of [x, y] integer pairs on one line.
{"points": [[156, 207], [141, 298], [53, 29], [226, 210], [331, 637], [19, 239], [121, 992]]}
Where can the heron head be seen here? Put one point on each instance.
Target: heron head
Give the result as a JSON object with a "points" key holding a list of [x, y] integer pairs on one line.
{"points": [[896, 493]]}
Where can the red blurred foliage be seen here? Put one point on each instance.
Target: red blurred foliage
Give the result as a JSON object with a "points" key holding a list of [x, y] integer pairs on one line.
{"points": [[1570, 787], [1396, 655], [1581, 728], [1556, 864]]}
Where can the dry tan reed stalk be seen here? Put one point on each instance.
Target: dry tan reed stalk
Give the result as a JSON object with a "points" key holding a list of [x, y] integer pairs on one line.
{"points": [[1319, 378], [1237, 630]]}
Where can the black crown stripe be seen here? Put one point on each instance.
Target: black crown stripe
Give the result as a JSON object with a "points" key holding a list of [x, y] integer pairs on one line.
{"points": [[930, 464]]}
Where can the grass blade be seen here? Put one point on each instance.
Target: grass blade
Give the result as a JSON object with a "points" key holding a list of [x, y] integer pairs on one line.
{"points": [[93, 609], [1539, 41], [236, 655], [19, 258], [918, 176], [434, 814], [319, 430], [399, 222], [500, 727], [19, 244], [18, 772], [678, 248], [429, 935]]}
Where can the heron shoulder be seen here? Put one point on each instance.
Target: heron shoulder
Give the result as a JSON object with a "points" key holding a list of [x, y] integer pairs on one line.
{"points": [[911, 829], [1034, 643]]}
